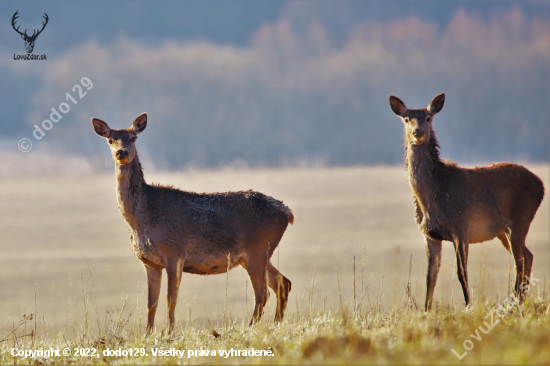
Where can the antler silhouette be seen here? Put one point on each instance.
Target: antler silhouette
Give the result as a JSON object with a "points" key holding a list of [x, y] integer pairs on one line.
{"points": [[15, 16], [43, 26], [34, 35]]}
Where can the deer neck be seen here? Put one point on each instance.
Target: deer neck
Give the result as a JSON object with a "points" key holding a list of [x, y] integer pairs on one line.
{"points": [[421, 161], [130, 188]]}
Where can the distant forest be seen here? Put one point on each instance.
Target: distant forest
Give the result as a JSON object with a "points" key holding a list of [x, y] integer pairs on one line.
{"points": [[296, 97]]}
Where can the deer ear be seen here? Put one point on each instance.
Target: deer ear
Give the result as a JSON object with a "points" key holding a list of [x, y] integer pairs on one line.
{"points": [[139, 123], [397, 106], [101, 128], [436, 104]]}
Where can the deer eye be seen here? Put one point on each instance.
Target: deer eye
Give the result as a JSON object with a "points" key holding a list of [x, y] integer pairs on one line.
{"points": [[110, 141], [428, 119], [406, 119], [133, 139]]}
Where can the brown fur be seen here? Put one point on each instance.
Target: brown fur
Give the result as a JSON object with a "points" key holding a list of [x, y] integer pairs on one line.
{"points": [[465, 205], [196, 233]]}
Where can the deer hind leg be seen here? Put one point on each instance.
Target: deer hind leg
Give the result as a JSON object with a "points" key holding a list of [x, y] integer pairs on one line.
{"points": [[433, 250], [504, 237], [523, 260], [154, 276], [256, 268], [174, 271], [461, 249], [281, 286], [528, 262]]}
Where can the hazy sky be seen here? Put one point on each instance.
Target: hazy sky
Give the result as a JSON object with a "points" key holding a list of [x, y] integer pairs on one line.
{"points": [[278, 82]]}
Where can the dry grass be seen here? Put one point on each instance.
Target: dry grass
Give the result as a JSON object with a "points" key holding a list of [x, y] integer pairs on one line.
{"points": [[354, 255], [400, 335]]}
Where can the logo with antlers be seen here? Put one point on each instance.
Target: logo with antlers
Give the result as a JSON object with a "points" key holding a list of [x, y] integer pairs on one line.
{"points": [[29, 40]]}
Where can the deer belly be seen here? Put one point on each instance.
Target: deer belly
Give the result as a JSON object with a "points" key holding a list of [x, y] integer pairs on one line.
{"points": [[208, 263], [480, 231], [482, 226]]}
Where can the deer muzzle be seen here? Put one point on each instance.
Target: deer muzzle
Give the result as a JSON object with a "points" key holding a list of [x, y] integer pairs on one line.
{"points": [[121, 154]]}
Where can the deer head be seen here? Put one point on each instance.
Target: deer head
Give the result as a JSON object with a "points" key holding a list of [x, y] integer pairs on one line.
{"points": [[418, 122], [29, 40], [122, 142]]}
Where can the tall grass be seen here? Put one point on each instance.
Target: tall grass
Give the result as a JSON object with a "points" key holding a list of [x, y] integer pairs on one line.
{"points": [[353, 332]]}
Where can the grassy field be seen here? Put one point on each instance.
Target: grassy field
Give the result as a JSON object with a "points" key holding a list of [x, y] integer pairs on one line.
{"points": [[65, 259]]}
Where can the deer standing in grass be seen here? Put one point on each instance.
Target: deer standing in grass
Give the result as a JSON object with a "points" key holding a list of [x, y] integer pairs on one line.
{"points": [[196, 233], [465, 205]]}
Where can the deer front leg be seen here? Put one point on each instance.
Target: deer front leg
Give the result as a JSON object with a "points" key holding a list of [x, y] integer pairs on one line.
{"points": [[461, 249], [433, 250], [174, 271], [154, 276]]}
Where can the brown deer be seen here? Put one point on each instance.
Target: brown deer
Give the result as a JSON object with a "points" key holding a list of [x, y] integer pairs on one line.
{"points": [[465, 205], [195, 233]]}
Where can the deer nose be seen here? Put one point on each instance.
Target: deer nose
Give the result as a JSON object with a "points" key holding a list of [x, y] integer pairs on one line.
{"points": [[121, 154], [417, 133]]}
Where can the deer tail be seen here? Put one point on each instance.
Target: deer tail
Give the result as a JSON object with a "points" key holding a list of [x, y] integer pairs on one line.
{"points": [[289, 214], [282, 207]]}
